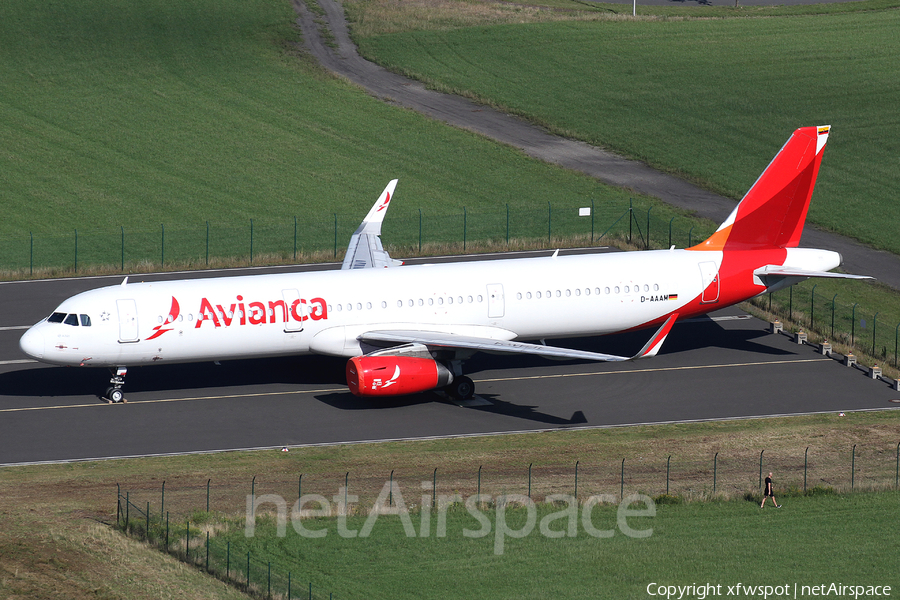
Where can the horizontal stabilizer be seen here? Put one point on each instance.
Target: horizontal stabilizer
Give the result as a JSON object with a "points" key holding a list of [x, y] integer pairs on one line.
{"points": [[365, 250], [778, 271]]}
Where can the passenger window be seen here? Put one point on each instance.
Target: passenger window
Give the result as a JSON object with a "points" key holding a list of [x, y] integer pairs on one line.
{"points": [[430, 301], [655, 287], [617, 289], [71, 320], [528, 295], [56, 317], [480, 298], [460, 299]]}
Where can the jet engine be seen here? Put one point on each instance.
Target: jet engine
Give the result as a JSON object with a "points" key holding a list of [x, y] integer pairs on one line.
{"points": [[395, 375]]}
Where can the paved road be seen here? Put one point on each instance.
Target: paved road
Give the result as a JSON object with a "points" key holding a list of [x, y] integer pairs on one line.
{"points": [[707, 370], [536, 142]]}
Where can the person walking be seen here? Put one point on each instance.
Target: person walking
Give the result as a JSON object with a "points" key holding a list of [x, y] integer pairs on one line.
{"points": [[769, 493]]}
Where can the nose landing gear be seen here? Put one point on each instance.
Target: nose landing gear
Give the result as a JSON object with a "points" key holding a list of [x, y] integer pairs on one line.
{"points": [[114, 393]]}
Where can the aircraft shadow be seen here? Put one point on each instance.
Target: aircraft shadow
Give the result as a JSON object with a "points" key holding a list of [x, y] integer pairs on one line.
{"points": [[69, 381]]}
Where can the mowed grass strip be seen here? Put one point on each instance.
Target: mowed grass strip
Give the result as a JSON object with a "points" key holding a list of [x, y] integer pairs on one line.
{"points": [[713, 100]]}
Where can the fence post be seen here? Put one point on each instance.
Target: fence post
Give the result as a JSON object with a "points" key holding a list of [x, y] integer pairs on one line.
{"points": [[853, 468], [647, 245], [760, 469], [874, 321], [465, 229], [127, 509], [300, 486], [479, 480], [805, 466], [812, 307], [622, 482], [896, 333], [630, 217], [529, 476], [507, 226], [119, 501], [691, 237], [433, 486], [147, 523], [715, 470], [576, 480], [667, 466], [391, 490], [791, 303], [253, 491], [670, 231], [592, 221]]}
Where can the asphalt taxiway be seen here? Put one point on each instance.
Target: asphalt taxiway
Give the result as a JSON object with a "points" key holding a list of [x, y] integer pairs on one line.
{"points": [[726, 367]]}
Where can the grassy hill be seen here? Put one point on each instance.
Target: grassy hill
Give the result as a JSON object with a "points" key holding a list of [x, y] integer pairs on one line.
{"points": [[712, 99]]}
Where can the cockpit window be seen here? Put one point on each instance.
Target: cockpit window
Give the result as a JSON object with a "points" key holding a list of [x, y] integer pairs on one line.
{"points": [[56, 317], [71, 320], [85, 320]]}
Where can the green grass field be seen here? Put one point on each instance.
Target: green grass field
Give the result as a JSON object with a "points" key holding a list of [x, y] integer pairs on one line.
{"points": [[121, 120], [711, 99], [720, 543]]}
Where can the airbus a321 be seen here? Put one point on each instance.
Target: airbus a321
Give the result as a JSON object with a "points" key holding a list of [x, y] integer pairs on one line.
{"points": [[408, 329]]}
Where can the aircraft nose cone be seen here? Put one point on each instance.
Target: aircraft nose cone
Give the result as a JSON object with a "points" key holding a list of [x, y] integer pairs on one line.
{"points": [[32, 343]]}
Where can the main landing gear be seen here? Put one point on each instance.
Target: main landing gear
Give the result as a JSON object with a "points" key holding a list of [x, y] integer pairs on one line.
{"points": [[462, 388], [114, 393]]}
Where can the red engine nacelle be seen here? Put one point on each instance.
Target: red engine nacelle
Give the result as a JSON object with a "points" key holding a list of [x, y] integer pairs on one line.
{"points": [[395, 375]]}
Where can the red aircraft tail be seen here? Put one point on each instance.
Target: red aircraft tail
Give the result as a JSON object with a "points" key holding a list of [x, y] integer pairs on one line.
{"points": [[773, 212]]}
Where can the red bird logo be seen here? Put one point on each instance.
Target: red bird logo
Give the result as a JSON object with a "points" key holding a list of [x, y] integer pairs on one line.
{"points": [[173, 314]]}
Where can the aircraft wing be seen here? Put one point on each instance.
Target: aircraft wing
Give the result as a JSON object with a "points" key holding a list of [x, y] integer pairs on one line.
{"points": [[365, 250], [433, 339]]}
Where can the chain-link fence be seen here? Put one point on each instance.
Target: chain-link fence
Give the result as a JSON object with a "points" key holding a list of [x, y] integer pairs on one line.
{"points": [[409, 230]]}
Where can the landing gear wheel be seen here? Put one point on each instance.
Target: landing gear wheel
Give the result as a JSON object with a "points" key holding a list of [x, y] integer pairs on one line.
{"points": [[115, 395], [462, 388]]}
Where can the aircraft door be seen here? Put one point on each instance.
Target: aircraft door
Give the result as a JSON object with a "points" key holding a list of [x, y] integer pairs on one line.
{"points": [[709, 273], [295, 311], [496, 303], [128, 323]]}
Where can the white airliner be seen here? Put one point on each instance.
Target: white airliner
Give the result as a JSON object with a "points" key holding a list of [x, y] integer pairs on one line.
{"points": [[407, 329]]}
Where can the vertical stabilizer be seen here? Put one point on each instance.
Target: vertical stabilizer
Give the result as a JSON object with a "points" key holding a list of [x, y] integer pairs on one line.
{"points": [[773, 212]]}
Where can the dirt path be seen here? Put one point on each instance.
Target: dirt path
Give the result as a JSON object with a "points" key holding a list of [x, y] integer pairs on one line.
{"points": [[538, 143]]}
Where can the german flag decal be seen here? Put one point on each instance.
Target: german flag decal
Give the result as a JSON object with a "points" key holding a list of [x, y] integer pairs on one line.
{"points": [[673, 296]]}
